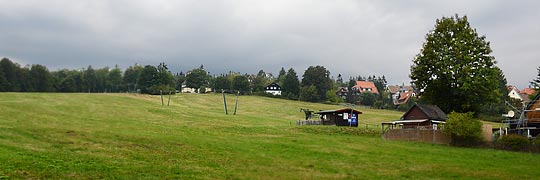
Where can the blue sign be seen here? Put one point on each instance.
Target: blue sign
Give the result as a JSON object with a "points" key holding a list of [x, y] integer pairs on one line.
{"points": [[353, 119]]}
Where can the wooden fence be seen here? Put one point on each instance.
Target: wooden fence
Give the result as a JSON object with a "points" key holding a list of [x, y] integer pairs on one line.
{"points": [[308, 122], [319, 122], [419, 135]]}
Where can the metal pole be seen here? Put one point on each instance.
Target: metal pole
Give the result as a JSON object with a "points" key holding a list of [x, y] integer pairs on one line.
{"points": [[224, 102], [236, 105]]}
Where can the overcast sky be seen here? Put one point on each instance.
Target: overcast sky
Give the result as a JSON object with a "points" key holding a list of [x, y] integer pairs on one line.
{"points": [[349, 37]]}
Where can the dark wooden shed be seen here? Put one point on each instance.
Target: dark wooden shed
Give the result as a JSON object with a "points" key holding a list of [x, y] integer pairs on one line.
{"points": [[533, 109], [430, 112], [340, 117]]}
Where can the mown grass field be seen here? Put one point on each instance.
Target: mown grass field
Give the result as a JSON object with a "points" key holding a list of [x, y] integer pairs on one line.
{"points": [[124, 136]]}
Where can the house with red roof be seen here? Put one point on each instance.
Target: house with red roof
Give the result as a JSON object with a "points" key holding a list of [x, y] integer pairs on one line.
{"points": [[365, 86]]}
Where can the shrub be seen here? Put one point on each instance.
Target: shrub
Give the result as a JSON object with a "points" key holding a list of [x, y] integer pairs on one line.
{"points": [[513, 142], [155, 90], [463, 129]]}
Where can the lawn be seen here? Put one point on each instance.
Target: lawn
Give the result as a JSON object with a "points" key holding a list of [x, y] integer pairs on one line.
{"points": [[127, 136]]}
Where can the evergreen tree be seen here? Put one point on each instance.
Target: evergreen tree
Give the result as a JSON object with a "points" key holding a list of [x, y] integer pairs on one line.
{"points": [[281, 76], [535, 83], [454, 69]]}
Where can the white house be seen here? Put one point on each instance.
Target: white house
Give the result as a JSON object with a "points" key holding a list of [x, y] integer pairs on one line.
{"points": [[513, 92], [273, 88]]}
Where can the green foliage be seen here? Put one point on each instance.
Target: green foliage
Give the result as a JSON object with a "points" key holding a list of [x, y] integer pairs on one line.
{"points": [[147, 79], [318, 77], [260, 81], [536, 82], [463, 129], [10, 82], [513, 142], [114, 81], [309, 94], [331, 97], [131, 77], [240, 83], [291, 85], [89, 80], [281, 76], [41, 78], [454, 68], [368, 98], [222, 82], [197, 78]]}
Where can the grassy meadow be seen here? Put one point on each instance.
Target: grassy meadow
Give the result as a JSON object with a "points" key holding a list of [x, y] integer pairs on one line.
{"points": [[128, 136]]}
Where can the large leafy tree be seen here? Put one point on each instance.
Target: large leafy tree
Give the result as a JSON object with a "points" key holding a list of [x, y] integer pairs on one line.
{"points": [[115, 79], [164, 77], [9, 80], [291, 85], [240, 83], [454, 69], [318, 77], [222, 83], [41, 78], [197, 78], [147, 78], [90, 79], [131, 77], [259, 82]]}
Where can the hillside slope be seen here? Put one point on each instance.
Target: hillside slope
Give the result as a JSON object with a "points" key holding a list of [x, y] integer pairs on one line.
{"points": [[123, 136]]}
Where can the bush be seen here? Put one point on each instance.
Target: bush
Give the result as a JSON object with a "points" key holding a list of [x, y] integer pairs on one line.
{"points": [[513, 142], [463, 129], [155, 90]]}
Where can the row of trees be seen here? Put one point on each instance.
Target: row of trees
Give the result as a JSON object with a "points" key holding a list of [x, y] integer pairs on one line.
{"points": [[316, 84], [37, 78]]}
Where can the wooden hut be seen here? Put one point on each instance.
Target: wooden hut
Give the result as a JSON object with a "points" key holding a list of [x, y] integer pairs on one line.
{"points": [[340, 117], [533, 117], [420, 117], [533, 109]]}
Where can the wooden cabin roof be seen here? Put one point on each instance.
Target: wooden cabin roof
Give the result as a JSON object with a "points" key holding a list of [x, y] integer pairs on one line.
{"points": [[432, 112], [339, 111]]}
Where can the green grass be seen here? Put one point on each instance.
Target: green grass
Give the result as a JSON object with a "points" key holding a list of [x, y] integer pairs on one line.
{"points": [[122, 136]]}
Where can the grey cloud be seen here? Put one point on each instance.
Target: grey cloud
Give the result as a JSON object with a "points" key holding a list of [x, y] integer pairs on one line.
{"points": [[349, 37]]}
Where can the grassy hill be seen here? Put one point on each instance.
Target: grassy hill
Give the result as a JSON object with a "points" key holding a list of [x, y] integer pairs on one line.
{"points": [[123, 136]]}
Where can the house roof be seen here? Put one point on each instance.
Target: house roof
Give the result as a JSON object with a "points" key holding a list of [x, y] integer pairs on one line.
{"points": [[393, 89], [431, 111], [528, 91], [404, 97], [343, 89], [274, 84], [361, 85], [339, 111], [510, 88]]}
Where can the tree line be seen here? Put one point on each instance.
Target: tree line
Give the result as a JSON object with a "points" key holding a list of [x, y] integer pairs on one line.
{"points": [[316, 84]]}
